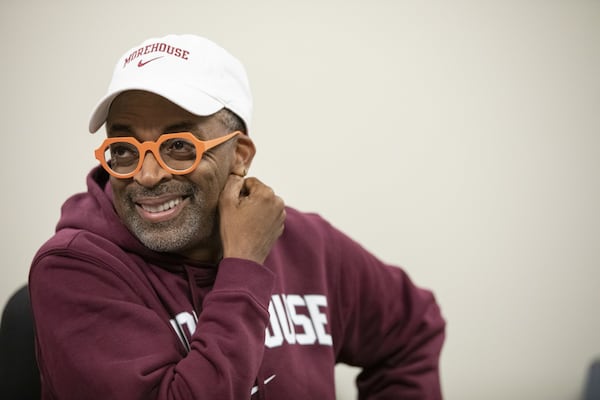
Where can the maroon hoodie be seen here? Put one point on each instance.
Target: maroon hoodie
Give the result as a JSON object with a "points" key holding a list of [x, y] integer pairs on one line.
{"points": [[116, 320]]}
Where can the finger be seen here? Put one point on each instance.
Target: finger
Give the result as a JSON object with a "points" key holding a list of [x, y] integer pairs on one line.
{"points": [[251, 184], [256, 187]]}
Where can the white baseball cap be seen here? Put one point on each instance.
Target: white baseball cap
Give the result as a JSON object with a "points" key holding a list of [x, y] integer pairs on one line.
{"points": [[193, 72]]}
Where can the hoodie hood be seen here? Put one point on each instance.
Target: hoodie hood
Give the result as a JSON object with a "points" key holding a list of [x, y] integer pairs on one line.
{"points": [[93, 211]]}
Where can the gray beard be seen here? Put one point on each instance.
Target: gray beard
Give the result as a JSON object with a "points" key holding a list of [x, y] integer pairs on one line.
{"points": [[195, 225], [166, 237]]}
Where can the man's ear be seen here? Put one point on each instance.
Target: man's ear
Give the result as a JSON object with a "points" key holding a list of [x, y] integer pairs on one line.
{"points": [[244, 153]]}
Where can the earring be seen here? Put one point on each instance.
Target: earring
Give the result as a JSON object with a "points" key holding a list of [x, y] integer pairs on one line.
{"points": [[245, 171]]}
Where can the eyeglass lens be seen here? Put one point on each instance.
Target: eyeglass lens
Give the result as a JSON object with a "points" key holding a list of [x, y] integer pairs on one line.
{"points": [[177, 153]]}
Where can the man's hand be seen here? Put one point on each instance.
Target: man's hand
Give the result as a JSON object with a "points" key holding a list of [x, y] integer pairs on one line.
{"points": [[251, 218]]}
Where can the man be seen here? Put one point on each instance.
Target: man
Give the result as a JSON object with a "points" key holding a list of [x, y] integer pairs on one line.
{"points": [[175, 277]]}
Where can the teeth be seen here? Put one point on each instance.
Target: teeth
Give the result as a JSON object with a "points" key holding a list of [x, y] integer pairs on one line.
{"points": [[161, 207]]}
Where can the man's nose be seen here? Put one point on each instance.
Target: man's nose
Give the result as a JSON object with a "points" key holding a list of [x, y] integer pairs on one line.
{"points": [[151, 173]]}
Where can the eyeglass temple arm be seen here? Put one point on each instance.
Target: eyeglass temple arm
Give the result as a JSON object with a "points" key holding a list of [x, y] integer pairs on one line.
{"points": [[208, 144]]}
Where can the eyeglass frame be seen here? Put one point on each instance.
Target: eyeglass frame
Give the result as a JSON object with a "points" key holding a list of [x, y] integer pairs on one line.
{"points": [[154, 147]]}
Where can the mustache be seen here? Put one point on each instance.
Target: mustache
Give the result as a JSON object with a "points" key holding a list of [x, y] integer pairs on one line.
{"points": [[180, 188]]}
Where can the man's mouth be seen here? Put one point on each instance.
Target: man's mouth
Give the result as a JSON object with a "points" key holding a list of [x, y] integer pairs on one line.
{"points": [[156, 210], [167, 205]]}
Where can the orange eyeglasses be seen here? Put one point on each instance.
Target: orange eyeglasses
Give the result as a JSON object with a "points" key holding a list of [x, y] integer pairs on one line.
{"points": [[177, 153]]}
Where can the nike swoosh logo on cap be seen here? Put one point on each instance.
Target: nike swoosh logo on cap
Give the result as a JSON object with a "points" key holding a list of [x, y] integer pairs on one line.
{"points": [[142, 63], [255, 388]]}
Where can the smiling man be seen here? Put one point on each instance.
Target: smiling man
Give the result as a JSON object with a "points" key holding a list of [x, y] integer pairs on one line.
{"points": [[175, 276], [176, 215]]}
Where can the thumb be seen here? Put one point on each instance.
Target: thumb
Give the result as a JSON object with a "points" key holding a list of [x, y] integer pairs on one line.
{"points": [[232, 189]]}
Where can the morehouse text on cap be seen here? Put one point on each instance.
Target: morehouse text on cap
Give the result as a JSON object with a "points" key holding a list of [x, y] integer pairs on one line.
{"points": [[155, 48]]}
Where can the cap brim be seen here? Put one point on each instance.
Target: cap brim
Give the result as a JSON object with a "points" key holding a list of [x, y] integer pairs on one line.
{"points": [[191, 99]]}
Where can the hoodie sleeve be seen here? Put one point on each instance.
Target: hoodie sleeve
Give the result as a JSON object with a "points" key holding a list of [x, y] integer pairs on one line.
{"points": [[388, 326], [97, 338]]}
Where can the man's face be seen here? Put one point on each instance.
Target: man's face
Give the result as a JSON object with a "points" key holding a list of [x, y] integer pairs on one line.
{"points": [[170, 213]]}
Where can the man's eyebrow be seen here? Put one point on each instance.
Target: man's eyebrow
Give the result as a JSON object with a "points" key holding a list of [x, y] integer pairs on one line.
{"points": [[183, 127], [121, 128]]}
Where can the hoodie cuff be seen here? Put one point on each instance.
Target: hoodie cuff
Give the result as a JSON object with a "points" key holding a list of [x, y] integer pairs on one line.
{"points": [[237, 274]]}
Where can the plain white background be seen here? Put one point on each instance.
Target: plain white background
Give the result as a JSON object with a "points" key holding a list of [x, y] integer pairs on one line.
{"points": [[459, 139]]}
